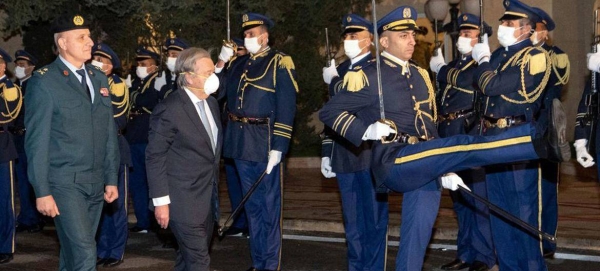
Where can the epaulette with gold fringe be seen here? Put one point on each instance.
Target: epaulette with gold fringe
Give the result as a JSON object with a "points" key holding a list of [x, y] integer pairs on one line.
{"points": [[285, 62], [355, 80], [561, 61]]}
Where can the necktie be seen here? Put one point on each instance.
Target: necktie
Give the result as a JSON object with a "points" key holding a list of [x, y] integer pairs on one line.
{"points": [[206, 123], [84, 83]]}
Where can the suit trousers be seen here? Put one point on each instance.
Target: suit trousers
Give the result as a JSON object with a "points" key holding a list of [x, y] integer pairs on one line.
{"points": [[7, 208], [80, 207], [194, 243], [113, 232]]}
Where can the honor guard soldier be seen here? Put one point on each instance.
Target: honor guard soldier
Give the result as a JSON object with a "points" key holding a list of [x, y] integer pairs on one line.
{"points": [[29, 219], [513, 81], [112, 235], [71, 143], [403, 163], [475, 248], [174, 46], [11, 101], [365, 212], [143, 97], [559, 77], [261, 92]]}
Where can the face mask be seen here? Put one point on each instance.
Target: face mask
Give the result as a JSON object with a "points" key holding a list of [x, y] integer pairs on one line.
{"points": [[464, 45], [534, 38], [352, 48], [141, 72], [211, 84], [98, 64], [252, 44], [506, 35], [20, 72], [171, 63]]}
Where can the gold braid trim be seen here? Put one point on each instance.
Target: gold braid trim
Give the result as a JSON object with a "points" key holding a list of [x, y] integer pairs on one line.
{"points": [[561, 61], [121, 89], [11, 97], [147, 85], [429, 102], [355, 80], [527, 59], [285, 62]]}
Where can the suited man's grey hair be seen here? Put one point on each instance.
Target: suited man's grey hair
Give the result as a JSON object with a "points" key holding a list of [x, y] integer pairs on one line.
{"points": [[186, 61]]}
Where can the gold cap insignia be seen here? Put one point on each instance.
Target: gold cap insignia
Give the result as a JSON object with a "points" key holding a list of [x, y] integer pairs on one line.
{"points": [[78, 20], [245, 18], [465, 17], [172, 41], [406, 13], [349, 19], [99, 47], [507, 3]]}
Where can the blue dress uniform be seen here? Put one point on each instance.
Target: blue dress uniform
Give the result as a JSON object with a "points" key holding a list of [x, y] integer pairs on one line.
{"points": [[112, 233], [456, 117], [583, 128], [261, 103], [405, 165], [513, 82], [550, 170], [11, 100], [143, 98], [365, 212], [29, 218], [175, 44]]}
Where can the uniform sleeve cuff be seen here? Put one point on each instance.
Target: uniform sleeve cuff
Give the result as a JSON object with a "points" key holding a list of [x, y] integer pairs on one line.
{"points": [[161, 201]]}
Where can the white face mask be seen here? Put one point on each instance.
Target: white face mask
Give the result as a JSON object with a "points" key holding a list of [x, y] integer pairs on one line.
{"points": [[252, 44], [20, 72], [98, 64], [141, 72], [211, 84], [506, 35], [171, 63], [352, 48], [464, 45], [534, 37]]}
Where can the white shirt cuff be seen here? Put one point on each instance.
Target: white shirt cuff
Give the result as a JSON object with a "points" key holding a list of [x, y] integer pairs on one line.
{"points": [[161, 201]]}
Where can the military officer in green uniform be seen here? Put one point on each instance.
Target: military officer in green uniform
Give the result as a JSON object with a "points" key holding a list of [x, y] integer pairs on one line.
{"points": [[71, 143]]}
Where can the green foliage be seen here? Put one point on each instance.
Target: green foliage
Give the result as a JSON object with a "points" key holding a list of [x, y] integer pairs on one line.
{"points": [[124, 25]]}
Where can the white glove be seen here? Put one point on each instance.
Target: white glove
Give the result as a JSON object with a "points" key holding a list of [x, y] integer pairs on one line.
{"points": [[330, 72], [481, 51], [452, 181], [128, 81], [326, 167], [160, 81], [593, 62], [437, 62], [377, 131], [274, 159], [583, 157], [226, 53]]}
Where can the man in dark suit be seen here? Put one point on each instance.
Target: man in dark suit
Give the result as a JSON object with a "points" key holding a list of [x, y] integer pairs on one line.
{"points": [[182, 159], [71, 143]]}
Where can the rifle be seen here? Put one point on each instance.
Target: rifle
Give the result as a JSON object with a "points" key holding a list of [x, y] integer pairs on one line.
{"points": [[327, 49], [476, 97], [160, 65], [591, 99]]}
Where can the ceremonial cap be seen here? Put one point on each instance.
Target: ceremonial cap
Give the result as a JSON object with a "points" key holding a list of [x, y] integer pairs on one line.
{"points": [[240, 43], [104, 50], [5, 56], [23, 55], [251, 20], [142, 54], [400, 19], [68, 22], [470, 21], [176, 44], [354, 23], [515, 10], [544, 18]]}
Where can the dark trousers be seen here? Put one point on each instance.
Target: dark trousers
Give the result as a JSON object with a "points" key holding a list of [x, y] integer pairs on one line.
{"points": [[138, 185], [28, 215], [7, 208], [112, 233], [550, 180], [365, 220], [80, 207], [264, 211], [194, 243], [234, 189], [419, 211]]}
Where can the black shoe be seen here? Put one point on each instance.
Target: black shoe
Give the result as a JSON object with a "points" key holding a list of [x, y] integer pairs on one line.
{"points": [[549, 254], [5, 258], [101, 261], [457, 264], [558, 149], [137, 229], [233, 231], [252, 269], [478, 266], [30, 229], [110, 262]]}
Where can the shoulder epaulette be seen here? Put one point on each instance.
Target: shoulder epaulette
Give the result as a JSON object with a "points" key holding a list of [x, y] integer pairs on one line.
{"points": [[537, 59], [355, 80], [285, 61], [42, 71]]}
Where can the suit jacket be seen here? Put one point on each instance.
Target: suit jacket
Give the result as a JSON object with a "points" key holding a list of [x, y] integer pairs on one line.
{"points": [[69, 139], [180, 161]]}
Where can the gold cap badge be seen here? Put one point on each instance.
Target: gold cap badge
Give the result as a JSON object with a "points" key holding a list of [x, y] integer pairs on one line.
{"points": [[78, 20], [465, 17], [245, 18], [349, 19], [406, 13]]}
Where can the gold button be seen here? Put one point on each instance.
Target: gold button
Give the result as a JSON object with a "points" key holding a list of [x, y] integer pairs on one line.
{"points": [[446, 104], [527, 108], [492, 104], [408, 76], [492, 115], [239, 107], [504, 55]]}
